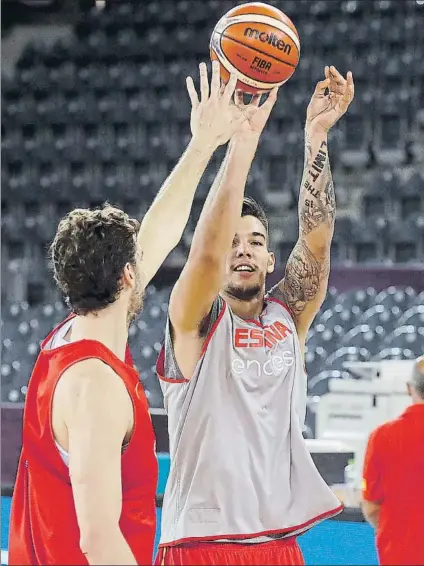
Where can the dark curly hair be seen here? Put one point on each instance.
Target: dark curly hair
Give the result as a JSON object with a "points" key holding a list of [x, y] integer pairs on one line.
{"points": [[89, 252]]}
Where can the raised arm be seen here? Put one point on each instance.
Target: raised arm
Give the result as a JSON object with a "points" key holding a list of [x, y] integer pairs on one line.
{"points": [[202, 276], [306, 276], [165, 221]]}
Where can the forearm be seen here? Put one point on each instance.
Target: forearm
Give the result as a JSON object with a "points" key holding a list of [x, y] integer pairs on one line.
{"points": [[317, 204], [371, 512], [165, 221], [217, 224], [372, 517], [108, 548], [306, 276]]}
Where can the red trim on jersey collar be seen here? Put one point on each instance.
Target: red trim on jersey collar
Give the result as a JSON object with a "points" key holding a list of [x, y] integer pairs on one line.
{"points": [[214, 327], [160, 364], [128, 356], [281, 304], [55, 329], [271, 299]]}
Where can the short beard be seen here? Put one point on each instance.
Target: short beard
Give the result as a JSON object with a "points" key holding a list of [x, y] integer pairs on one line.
{"points": [[136, 306], [243, 293]]}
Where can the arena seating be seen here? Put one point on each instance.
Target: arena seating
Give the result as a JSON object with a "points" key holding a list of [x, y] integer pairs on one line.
{"points": [[104, 114], [359, 325]]}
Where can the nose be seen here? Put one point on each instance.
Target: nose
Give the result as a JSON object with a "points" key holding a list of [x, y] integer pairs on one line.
{"points": [[243, 249]]}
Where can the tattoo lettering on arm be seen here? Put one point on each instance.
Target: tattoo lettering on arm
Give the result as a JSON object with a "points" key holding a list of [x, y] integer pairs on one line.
{"points": [[308, 267], [317, 202]]}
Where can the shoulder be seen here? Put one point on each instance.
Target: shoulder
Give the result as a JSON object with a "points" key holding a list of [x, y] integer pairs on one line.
{"points": [[95, 382], [276, 297], [379, 435]]}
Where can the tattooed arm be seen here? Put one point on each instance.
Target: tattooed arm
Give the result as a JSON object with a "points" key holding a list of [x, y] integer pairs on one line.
{"points": [[306, 276]]}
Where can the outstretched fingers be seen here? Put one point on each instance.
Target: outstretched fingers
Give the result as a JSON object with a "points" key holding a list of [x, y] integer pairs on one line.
{"points": [[349, 92], [230, 88], [192, 92], [350, 85], [256, 100], [204, 83], [238, 98], [216, 80], [268, 105], [337, 81], [321, 87]]}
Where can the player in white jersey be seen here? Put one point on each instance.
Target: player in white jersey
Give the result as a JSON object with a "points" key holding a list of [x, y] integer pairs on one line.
{"points": [[242, 483]]}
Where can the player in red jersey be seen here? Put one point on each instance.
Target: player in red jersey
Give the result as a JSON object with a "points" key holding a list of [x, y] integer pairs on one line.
{"points": [[85, 488]]}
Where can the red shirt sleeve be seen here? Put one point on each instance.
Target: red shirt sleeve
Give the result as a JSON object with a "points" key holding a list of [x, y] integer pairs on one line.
{"points": [[372, 489]]}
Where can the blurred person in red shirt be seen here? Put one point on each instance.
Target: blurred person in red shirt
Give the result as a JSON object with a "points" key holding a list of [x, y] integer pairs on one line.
{"points": [[393, 480]]}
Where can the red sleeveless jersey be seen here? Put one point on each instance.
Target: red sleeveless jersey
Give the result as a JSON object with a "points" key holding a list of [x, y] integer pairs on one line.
{"points": [[43, 523]]}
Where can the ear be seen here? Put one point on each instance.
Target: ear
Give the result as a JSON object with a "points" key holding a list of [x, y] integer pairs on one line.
{"points": [[271, 263], [128, 276], [409, 389]]}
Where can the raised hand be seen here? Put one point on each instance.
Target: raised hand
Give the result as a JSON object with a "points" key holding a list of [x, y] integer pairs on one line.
{"points": [[330, 100], [257, 116], [215, 117]]}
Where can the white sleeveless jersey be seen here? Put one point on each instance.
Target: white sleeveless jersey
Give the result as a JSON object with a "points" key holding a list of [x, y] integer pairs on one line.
{"points": [[240, 468]]}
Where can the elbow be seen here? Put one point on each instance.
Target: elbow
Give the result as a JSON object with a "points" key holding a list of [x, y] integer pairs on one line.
{"points": [[89, 540], [371, 512], [96, 536]]}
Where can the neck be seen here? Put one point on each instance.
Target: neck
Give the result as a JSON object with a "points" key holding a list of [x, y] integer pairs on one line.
{"points": [[245, 309], [108, 326]]}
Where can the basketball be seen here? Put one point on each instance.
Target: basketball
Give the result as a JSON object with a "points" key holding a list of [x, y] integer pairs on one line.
{"points": [[258, 42]]}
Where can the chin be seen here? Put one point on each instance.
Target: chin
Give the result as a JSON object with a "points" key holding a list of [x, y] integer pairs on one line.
{"points": [[244, 292]]}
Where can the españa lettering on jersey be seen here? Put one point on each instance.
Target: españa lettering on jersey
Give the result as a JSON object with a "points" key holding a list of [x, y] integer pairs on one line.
{"points": [[268, 336], [238, 457]]}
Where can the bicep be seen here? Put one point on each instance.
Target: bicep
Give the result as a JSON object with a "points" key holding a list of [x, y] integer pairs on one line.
{"points": [[194, 293], [154, 249], [305, 284], [96, 429], [372, 481]]}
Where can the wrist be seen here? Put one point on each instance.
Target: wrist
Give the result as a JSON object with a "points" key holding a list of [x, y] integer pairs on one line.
{"points": [[202, 146], [246, 139], [315, 130]]}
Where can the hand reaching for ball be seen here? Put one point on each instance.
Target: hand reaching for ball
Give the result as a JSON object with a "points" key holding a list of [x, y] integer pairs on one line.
{"points": [[215, 117], [330, 100], [257, 116]]}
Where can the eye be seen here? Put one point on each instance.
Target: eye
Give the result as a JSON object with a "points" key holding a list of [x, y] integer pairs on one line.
{"points": [[257, 243]]}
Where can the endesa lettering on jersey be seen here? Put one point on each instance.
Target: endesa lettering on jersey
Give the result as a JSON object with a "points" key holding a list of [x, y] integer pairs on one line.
{"points": [[269, 337]]}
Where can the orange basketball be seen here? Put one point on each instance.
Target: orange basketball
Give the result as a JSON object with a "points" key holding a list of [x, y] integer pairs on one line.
{"points": [[260, 43]]}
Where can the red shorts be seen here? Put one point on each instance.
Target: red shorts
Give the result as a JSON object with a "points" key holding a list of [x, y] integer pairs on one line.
{"points": [[276, 552]]}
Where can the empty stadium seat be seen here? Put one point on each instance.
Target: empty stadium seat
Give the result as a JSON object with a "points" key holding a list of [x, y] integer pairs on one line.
{"points": [[414, 316], [347, 354], [402, 297], [405, 240], [380, 316], [407, 338], [319, 385]]}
